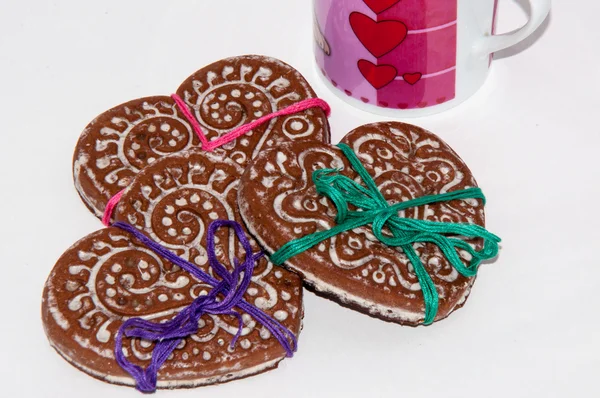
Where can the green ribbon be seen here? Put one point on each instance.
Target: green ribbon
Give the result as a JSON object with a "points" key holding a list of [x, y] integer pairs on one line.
{"points": [[375, 210]]}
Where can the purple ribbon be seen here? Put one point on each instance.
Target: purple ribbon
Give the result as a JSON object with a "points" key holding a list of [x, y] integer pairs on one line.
{"points": [[168, 335]]}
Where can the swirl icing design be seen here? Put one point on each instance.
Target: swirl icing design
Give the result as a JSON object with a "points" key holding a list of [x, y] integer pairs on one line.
{"points": [[109, 276], [406, 162], [122, 141], [239, 90], [224, 95]]}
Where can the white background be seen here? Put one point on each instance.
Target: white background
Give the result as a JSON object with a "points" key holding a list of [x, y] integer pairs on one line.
{"points": [[530, 136]]}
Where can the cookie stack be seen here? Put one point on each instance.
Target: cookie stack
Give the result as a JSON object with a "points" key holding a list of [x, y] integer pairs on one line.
{"points": [[223, 199]]}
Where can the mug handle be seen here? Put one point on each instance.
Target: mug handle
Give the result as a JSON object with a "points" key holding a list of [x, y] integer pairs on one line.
{"points": [[539, 11]]}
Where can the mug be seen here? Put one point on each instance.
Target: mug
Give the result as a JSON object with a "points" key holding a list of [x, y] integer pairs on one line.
{"points": [[410, 57]]}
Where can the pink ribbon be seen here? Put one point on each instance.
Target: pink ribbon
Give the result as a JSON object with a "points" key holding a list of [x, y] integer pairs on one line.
{"points": [[210, 146]]}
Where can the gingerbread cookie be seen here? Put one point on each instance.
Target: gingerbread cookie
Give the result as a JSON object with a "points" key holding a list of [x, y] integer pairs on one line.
{"points": [[211, 103], [175, 199], [416, 276], [116, 282]]}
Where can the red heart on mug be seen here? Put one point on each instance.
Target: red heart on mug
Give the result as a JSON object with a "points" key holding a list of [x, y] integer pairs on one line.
{"points": [[379, 6], [378, 75], [412, 78], [378, 37]]}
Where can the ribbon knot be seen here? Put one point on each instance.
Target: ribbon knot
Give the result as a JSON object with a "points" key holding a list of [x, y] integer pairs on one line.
{"points": [[372, 208], [226, 294]]}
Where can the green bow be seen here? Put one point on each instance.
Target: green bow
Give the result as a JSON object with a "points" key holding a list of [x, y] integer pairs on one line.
{"points": [[375, 210]]}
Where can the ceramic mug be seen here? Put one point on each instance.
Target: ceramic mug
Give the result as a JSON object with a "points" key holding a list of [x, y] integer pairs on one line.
{"points": [[410, 57]]}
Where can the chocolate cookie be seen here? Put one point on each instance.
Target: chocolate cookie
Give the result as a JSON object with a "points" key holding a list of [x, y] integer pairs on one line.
{"points": [[175, 199], [221, 97], [279, 203], [111, 276]]}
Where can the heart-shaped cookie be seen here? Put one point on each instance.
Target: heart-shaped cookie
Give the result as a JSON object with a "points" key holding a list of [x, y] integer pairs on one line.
{"points": [[221, 97], [279, 203], [109, 277]]}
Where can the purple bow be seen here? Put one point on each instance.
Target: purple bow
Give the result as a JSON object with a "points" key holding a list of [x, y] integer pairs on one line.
{"points": [[168, 335]]}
